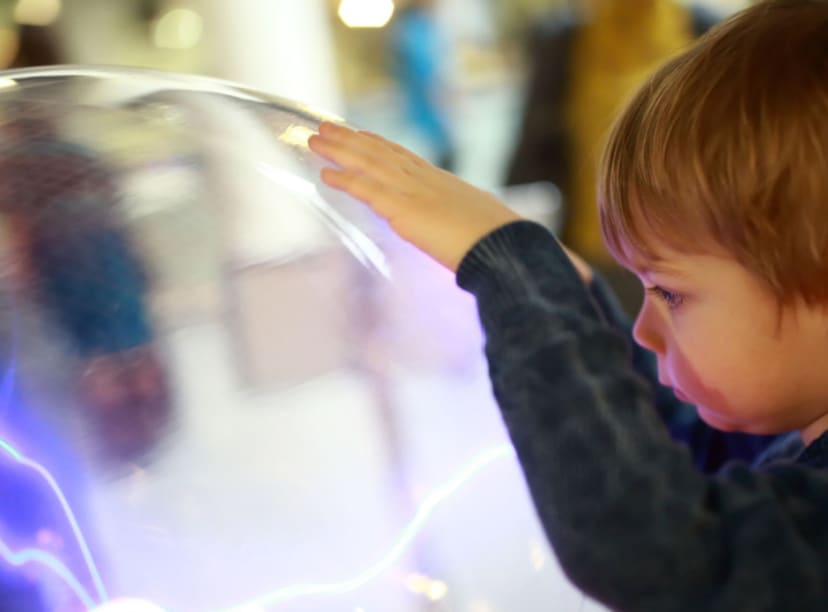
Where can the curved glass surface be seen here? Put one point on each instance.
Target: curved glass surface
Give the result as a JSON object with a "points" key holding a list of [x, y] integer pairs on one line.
{"points": [[225, 387]]}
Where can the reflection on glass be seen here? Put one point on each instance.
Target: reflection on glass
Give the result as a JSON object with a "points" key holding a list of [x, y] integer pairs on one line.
{"points": [[214, 393]]}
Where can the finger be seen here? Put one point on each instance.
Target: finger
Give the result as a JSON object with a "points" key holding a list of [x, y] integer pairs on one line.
{"points": [[349, 150], [341, 153], [393, 158], [387, 143], [399, 150], [397, 174], [371, 192], [329, 128], [365, 152], [362, 139], [345, 135]]}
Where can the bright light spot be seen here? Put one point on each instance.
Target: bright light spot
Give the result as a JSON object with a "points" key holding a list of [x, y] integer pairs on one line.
{"points": [[178, 29], [437, 590], [127, 605], [365, 13], [416, 583], [296, 135], [537, 556], [36, 12]]}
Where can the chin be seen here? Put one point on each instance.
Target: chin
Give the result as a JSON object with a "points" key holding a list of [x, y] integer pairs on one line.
{"points": [[716, 421]]}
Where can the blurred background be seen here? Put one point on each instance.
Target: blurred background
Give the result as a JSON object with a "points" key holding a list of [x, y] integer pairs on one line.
{"points": [[350, 56], [502, 92], [306, 418]]}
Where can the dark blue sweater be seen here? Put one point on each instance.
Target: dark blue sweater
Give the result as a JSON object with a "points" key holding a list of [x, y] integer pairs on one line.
{"points": [[633, 519]]}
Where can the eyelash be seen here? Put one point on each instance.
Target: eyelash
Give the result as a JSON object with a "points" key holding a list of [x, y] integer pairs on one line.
{"points": [[672, 299]]}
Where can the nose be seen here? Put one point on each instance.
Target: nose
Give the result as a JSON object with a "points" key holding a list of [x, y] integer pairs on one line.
{"points": [[645, 329]]}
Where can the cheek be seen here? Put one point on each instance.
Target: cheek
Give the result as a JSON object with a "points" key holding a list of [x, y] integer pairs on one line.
{"points": [[730, 387], [707, 377]]}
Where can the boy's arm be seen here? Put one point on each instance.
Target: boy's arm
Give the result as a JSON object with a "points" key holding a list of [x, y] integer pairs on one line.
{"points": [[631, 520]]}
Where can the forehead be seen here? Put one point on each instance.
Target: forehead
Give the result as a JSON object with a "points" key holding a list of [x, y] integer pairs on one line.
{"points": [[663, 260]]}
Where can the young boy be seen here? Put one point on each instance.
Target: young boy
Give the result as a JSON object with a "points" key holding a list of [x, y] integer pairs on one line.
{"points": [[714, 191]]}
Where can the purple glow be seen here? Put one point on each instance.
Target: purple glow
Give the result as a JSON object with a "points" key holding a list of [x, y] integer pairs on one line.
{"points": [[70, 516], [427, 508], [50, 562]]}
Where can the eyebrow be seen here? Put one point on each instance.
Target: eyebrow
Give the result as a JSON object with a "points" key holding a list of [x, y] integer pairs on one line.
{"points": [[656, 268]]}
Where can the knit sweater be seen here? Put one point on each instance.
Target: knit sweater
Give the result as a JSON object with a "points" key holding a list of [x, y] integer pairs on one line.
{"points": [[633, 520]]}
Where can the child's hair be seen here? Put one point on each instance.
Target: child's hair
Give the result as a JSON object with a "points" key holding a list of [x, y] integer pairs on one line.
{"points": [[725, 150]]}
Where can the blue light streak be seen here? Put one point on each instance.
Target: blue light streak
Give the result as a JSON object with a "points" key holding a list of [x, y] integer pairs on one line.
{"points": [[426, 509], [50, 562], [67, 510], [282, 595]]}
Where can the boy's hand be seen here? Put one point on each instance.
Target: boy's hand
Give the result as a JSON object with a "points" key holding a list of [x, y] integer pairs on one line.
{"points": [[433, 209]]}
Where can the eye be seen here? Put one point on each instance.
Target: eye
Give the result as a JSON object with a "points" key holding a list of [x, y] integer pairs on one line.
{"points": [[672, 299]]}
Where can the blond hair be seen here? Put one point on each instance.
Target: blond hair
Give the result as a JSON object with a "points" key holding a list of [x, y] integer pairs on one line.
{"points": [[725, 150]]}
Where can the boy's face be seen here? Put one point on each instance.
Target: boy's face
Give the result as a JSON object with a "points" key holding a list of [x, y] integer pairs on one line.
{"points": [[724, 344]]}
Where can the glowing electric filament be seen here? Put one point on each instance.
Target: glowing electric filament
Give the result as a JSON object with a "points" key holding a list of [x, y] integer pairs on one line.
{"points": [[40, 557], [70, 516], [425, 510]]}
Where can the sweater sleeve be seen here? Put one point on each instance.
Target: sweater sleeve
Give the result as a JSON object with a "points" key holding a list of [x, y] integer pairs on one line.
{"points": [[632, 521]]}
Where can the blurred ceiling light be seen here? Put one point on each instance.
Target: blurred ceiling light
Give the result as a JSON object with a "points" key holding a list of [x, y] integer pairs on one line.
{"points": [[36, 12], [365, 13], [177, 29]]}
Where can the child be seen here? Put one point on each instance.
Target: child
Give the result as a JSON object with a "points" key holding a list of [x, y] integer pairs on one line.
{"points": [[714, 192]]}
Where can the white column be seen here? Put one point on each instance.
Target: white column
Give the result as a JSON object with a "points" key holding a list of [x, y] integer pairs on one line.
{"points": [[283, 47]]}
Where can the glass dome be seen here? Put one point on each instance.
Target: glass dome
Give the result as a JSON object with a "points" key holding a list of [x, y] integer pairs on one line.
{"points": [[226, 387]]}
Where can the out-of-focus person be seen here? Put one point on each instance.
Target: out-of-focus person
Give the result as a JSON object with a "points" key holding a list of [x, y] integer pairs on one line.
{"points": [[584, 62], [418, 54]]}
